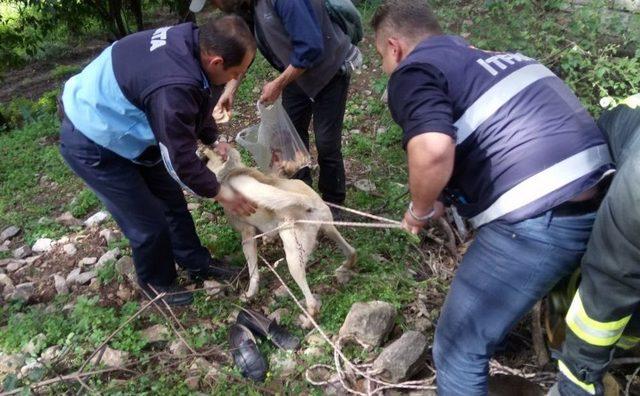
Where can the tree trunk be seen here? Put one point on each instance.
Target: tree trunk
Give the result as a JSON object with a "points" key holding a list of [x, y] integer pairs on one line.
{"points": [[136, 10]]}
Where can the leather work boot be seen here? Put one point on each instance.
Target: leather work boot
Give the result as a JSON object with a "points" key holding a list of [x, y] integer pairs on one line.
{"points": [[176, 295], [246, 354], [218, 270], [262, 326]]}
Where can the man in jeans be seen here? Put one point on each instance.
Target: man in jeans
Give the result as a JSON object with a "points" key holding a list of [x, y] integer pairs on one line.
{"points": [[503, 139], [300, 40], [132, 120], [604, 312]]}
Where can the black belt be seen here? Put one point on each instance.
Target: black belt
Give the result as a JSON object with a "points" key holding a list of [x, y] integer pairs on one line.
{"points": [[571, 208]]}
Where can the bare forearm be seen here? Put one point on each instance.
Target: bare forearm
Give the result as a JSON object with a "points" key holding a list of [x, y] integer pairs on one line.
{"points": [[289, 75]]}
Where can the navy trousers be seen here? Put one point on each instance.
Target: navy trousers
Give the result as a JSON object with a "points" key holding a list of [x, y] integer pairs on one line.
{"points": [[145, 201]]}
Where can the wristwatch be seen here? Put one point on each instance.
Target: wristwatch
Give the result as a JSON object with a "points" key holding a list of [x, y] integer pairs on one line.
{"points": [[421, 218]]}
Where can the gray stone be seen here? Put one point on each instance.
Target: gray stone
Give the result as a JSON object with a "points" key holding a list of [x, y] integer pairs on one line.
{"points": [[193, 382], [96, 219], [33, 371], [110, 256], [60, 284], [22, 292], [124, 293], [9, 233], [315, 339], [35, 345], [109, 236], [213, 288], [403, 358], [178, 348], [67, 219], [22, 252], [281, 292], [156, 333], [200, 365], [369, 323], [15, 265], [111, 358], [70, 249], [10, 364], [284, 363], [73, 275], [42, 245], [365, 185], [50, 354], [6, 282], [125, 267], [278, 314], [87, 261], [85, 277]]}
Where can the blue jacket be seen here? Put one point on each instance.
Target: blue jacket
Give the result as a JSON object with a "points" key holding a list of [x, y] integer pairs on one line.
{"points": [[147, 96]]}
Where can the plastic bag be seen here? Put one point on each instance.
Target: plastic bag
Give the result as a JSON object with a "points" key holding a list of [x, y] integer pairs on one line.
{"points": [[275, 144]]}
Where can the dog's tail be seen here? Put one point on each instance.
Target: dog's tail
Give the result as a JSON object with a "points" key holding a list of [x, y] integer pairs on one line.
{"points": [[268, 196]]}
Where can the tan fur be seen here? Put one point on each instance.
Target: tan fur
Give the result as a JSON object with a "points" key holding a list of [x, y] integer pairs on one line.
{"points": [[279, 201]]}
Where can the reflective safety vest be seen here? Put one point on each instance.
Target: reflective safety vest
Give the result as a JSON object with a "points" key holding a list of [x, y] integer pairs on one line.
{"points": [[525, 144]]}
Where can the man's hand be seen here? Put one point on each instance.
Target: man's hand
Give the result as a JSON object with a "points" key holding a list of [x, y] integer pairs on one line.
{"points": [[414, 226], [271, 92], [222, 149], [222, 111], [235, 202]]}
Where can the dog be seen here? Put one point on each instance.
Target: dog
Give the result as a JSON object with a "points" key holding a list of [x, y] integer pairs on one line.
{"points": [[279, 201]]}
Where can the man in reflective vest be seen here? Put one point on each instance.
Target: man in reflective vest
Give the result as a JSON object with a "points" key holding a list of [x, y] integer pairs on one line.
{"points": [[132, 120], [503, 139], [604, 311]]}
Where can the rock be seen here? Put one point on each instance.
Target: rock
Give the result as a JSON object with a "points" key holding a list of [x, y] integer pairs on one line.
{"points": [[109, 236], [6, 261], [200, 365], [334, 387], [422, 324], [33, 371], [193, 206], [212, 374], [9, 233], [51, 354], [73, 275], [125, 267], [22, 252], [278, 314], [365, 185], [355, 132], [69, 249], [281, 292], [62, 241], [22, 292], [42, 245], [6, 282], [193, 382], [283, 363], [15, 265], [32, 259], [110, 256], [35, 345], [178, 348], [85, 277], [156, 333], [507, 385], [10, 364], [87, 261], [60, 284], [381, 130], [313, 351], [96, 219], [124, 293], [369, 323], [111, 358], [94, 285], [212, 287], [403, 358], [315, 339], [67, 219]]}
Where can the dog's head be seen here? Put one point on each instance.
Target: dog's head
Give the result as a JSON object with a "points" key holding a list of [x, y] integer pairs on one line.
{"points": [[219, 165]]}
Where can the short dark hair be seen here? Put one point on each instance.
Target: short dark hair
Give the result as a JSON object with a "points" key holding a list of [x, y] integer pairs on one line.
{"points": [[410, 18], [228, 37]]}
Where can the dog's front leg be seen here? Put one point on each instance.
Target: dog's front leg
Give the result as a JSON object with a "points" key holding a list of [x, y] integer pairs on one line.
{"points": [[250, 250]]}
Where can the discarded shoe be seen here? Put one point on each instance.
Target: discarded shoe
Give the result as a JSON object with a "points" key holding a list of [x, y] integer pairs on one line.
{"points": [[246, 354], [262, 326]]}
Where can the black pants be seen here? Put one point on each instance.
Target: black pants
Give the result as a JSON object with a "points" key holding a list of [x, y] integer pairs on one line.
{"points": [[605, 311], [327, 110], [145, 201]]}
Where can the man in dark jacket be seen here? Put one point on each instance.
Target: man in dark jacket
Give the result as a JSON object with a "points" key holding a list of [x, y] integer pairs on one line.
{"points": [[314, 56], [132, 120]]}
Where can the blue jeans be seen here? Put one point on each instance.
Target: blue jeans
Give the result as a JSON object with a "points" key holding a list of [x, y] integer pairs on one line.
{"points": [[506, 271], [145, 201]]}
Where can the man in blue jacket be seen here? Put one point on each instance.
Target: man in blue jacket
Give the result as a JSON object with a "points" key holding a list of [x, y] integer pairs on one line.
{"points": [[314, 56], [503, 139], [132, 120]]}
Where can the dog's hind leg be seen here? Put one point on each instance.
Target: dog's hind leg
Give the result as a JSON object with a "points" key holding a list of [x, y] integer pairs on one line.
{"points": [[250, 250], [298, 242], [348, 250]]}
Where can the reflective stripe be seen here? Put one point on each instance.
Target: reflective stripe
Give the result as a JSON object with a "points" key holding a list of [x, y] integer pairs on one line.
{"points": [[589, 388], [167, 164], [497, 96], [545, 182], [627, 342], [590, 330]]}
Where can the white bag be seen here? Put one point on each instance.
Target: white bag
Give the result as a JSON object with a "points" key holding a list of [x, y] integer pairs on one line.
{"points": [[275, 144]]}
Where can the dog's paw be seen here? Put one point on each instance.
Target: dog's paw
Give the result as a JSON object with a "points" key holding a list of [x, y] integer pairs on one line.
{"points": [[247, 296], [305, 322], [343, 274]]}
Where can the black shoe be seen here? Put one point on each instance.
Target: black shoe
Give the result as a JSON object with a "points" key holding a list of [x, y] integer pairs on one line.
{"points": [[217, 270], [262, 326], [246, 354], [176, 295], [341, 215]]}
